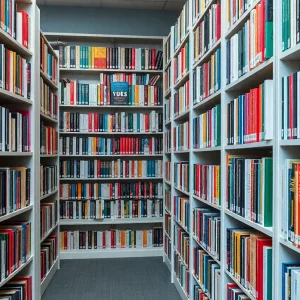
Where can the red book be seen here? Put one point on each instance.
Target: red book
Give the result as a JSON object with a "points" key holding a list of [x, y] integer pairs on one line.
{"points": [[104, 239], [153, 59], [146, 125], [72, 92], [24, 28], [133, 59], [150, 146], [257, 114]]}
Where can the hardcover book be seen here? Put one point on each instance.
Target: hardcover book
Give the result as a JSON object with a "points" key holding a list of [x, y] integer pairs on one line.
{"points": [[119, 93]]}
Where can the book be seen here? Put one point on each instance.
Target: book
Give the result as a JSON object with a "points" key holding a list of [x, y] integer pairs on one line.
{"points": [[19, 287], [119, 93], [48, 216], [181, 137], [182, 272], [48, 140], [168, 201], [290, 280], [167, 110], [168, 171], [181, 102], [48, 179], [181, 176], [181, 210], [168, 141], [181, 27], [233, 291], [182, 244], [181, 63], [167, 50], [168, 247], [48, 100], [49, 254]]}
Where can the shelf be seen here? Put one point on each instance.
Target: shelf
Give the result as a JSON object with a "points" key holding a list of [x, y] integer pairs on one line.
{"points": [[168, 211], [289, 245], [182, 43], [199, 19], [182, 116], [209, 101], [252, 78], [13, 274], [168, 123], [110, 155], [182, 152], [286, 143], [48, 44], [168, 182], [168, 153], [48, 81], [7, 97], [181, 225], [111, 133], [49, 276], [12, 44], [180, 289], [78, 70], [182, 80], [48, 118], [215, 206], [167, 65], [49, 194], [16, 153], [146, 220], [49, 232], [48, 155], [112, 198], [180, 256], [112, 106], [202, 287], [15, 213], [247, 292], [182, 191], [266, 230], [168, 93], [250, 145], [167, 235], [291, 54], [207, 149], [111, 253], [109, 179]]}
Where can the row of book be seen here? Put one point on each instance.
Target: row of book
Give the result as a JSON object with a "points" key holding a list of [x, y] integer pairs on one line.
{"points": [[250, 47], [111, 239], [111, 209], [207, 129], [167, 110], [110, 169], [249, 260], [48, 100], [181, 99], [198, 8], [206, 184], [290, 280], [48, 139], [105, 94], [18, 288], [89, 57], [16, 244], [250, 116], [207, 32], [116, 190], [181, 27], [168, 141], [181, 63], [182, 244], [233, 292], [48, 61], [181, 137], [207, 78], [49, 216], [114, 122], [49, 254], [48, 179], [207, 229], [15, 73], [181, 176], [249, 188], [181, 209], [110, 146], [14, 189], [182, 273], [14, 130]]}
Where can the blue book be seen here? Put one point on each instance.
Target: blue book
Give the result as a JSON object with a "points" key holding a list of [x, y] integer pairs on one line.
{"points": [[119, 93]]}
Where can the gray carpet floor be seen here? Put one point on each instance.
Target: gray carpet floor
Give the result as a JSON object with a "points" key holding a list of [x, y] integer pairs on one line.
{"points": [[112, 279]]}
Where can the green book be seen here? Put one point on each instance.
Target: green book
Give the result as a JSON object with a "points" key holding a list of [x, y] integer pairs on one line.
{"points": [[269, 29], [267, 200], [267, 288], [143, 58], [288, 24]]}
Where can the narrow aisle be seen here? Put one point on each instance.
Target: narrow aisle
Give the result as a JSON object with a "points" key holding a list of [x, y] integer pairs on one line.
{"points": [[146, 278]]}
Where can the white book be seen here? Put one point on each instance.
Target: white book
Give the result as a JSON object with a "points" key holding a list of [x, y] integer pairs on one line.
{"points": [[268, 115]]}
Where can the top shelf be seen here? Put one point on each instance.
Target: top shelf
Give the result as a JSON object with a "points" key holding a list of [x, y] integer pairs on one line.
{"points": [[185, 39]]}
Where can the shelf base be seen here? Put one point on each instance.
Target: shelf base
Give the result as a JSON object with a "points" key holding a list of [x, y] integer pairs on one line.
{"points": [[49, 277]]}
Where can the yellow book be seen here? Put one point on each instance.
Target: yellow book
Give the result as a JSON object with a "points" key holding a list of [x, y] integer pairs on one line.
{"points": [[79, 191], [93, 57], [136, 95], [100, 58], [144, 238]]}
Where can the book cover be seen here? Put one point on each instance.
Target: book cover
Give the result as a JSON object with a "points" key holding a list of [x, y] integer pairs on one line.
{"points": [[119, 93]]}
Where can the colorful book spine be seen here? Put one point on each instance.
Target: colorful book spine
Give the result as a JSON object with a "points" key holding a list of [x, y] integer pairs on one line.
{"points": [[181, 27], [168, 220], [181, 101], [199, 294], [181, 137], [49, 216], [250, 116], [181, 176], [181, 63], [49, 254], [234, 292], [167, 50], [11, 290], [249, 191], [48, 179], [48, 140], [290, 281], [198, 8], [168, 200], [168, 141], [182, 272], [168, 171], [182, 244], [290, 24], [181, 211], [207, 129], [167, 110], [167, 80], [48, 100]]}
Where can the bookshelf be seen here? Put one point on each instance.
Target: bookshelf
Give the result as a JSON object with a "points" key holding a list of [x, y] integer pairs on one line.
{"points": [[102, 223]]}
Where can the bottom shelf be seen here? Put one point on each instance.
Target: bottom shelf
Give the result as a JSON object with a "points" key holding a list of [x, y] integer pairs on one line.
{"points": [[179, 288], [111, 253], [49, 276]]}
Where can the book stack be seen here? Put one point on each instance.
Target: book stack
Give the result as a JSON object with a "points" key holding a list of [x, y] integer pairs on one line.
{"points": [[206, 184], [290, 280], [48, 100], [181, 211], [48, 181], [111, 209], [181, 176], [48, 140], [250, 117], [181, 27], [115, 122], [247, 252], [20, 287], [181, 137], [207, 129], [111, 239], [49, 254], [249, 191], [182, 99], [84, 169], [48, 216], [92, 57], [234, 292], [168, 141], [181, 63]]}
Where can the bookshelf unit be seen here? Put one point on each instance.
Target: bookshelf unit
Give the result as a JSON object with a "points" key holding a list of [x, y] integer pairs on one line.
{"points": [[92, 76]]}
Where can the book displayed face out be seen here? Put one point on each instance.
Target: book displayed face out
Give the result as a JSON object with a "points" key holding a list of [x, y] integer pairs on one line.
{"points": [[119, 93]]}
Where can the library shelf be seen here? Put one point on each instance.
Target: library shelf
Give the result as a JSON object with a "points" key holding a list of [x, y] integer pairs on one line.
{"points": [[266, 230], [182, 80], [208, 102], [49, 194], [81, 70], [182, 116], [208, 53], [167, 262], [168, 211], [240, 22], [111, 221], [252, 78], [168, 182], [291, 53], [262, 144], [111, 253], [182, 43], [110, 155], [16, 213], [77, 106], [48, 81], [247, 292], [167, 93], [111, 133], [182, 152], [167, 65], [215, 206], [201, 286], [180, 256], [209, 253], [211, 149], [48, 44], [181, 225], [45, 117], [49, 232], [199, 19], [14, 273], [7, 97], [180, 289], [289, 245], [48, 155], [8, 153], [287, 143], [167, 235], [13, 44], [109, 179], [181, 191], [49, 276], [168, 123]]}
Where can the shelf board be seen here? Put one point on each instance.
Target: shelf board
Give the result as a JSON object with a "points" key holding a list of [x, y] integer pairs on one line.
{"points": [[167, 123], [111, 106], [80, 70], [252, 78], [49, 194], [111, 253], [168, 211], [45, 117], [266, 230], [207, 149], [110, 179], [49, 276], [167, 65], [215, 206], [168, 182], [291, 54], [182, 152], [182, 191], [182, 43], [168, 93], [48, 155], [49, 232], [12, 44], [180, 289], [16, 154], [112, 221], [168, 153], [110, 155], [182, 116], [209, 101], [180, 256], [13, 274], [15, 213], [167, 235], [200, 18], [111, 133], [289, 245], [286, 143], [7, 97], [250, 145], [181, 225], [48, 81], [182, 80]]}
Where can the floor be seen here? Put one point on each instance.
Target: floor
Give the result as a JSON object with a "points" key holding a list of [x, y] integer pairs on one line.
{"points": [[145, 278]]}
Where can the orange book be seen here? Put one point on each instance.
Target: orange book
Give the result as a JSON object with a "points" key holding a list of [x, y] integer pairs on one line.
{"points": [[100, 58], [144, 238], [123, 238]]}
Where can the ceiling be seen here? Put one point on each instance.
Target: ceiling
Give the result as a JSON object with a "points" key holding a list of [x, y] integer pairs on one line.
{"points": [[166, 5]]}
